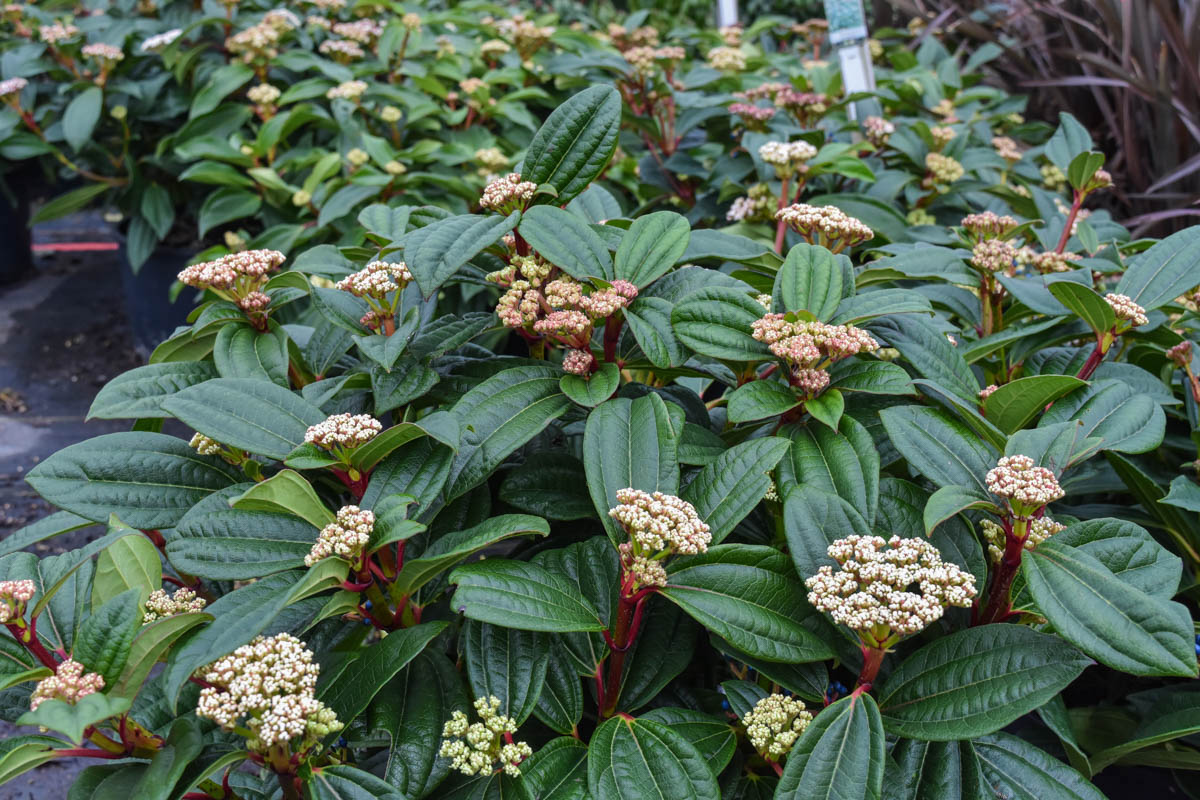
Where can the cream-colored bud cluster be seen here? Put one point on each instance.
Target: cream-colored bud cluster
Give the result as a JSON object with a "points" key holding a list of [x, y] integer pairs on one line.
{"points": [[255, 302], [1039, 530], [871, 591], [941, 135], [660, 523], [264, 94], [987, 391], [646, 570], [1053, 178], [376, 280], [727, 59], [103, 52], [57, 32], [993, 255], [204, 445], [753, 117], [757, 206], [578, 361], [238, 273], [810, 347], [343, 50], [270, 682], [472, 85], [806, 107], [944, 108], [475, 748], [314, 21], [988, 224], [345, 537], [919, 216], [494, 47], [943, 168], [1052, 261], [13, 597], [411, 21], [827, 226], [343, 431], [390, 114], [12, 87], [347, 90], [1006, 148], [527, 36], [786, 157], [1101, 179], [69, 683], [878, 130], [1180, 355], [764, 91], [774, 725], [356, 156], [160, 604], [507, 193], [363, 31], [1022, 482], [731, 35], [491, 159], [256, 43], [1126, 309], [160, 41]]}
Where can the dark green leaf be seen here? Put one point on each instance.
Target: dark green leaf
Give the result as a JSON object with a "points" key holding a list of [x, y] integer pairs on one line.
{"points": [[840, 754], [506, 663], [518, 594], [642, 758], [437, 251], [575, 142], [566, 241], [728, 489], [717, 322], [651, 246]]}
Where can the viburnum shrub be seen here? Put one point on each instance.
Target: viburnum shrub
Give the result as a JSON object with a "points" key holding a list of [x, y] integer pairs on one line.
{"points": [[571, 497]]}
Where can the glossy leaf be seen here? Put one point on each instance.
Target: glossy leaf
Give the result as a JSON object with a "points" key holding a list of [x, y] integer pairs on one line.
{"points": [[518, 594], [641, 758], [575, 142]]}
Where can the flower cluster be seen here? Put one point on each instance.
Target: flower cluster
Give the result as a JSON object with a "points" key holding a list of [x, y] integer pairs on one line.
{"points": [[942, 169], [727, 59], [347, 90], [878, 130], [1007, 149], [872, 591], [1180, 355], [527, 36], [810, 347], [256, 43], [13, 597], [993, 255], [658, 525], [342, 50], [941, 135], [271, 682], [806, 108], [644, 60], [1053, 178], [988, 224], [507, 194], [774, 725], [753, 117], [57, 32], [787, 158], [363, 31], [233, 276], [757, 206], [827, 226], [103, 52], [379, 283], [557, 309], [474, 748], [1039, 530], [69, 683], [1127, 310], [264, 95], [345, 537], [160, 604], [491, 160], [658, 521], [11, 88], [987, 391], [343, 432], [205, 446], [1053, 261], [1023, 483]]}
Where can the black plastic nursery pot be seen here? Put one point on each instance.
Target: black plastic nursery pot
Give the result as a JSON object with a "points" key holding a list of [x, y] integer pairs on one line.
{"points": [[16, 253], [152, 314]]}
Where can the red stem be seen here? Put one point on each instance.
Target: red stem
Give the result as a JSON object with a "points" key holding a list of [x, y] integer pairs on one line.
{"points": [[781, 226], [612, 335], [28, 637], [775, 765], [1066, 234], [87, 752], [872, 661], [999, 604], [623, 637], [1093, 361]]}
